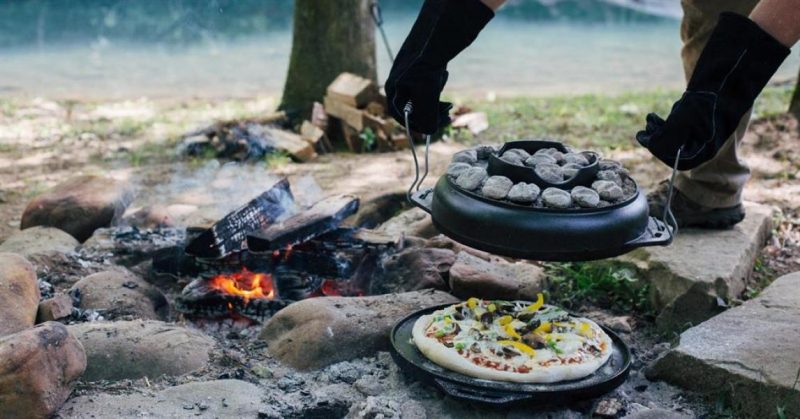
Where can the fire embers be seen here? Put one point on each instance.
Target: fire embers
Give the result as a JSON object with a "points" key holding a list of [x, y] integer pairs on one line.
{"points": [[245, 284]]}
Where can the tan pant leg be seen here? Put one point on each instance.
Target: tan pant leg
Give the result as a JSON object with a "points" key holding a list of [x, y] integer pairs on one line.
{"points": [[719, 182]]}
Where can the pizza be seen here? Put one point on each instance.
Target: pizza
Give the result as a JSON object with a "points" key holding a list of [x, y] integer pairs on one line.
{"points": [[518, 341]]}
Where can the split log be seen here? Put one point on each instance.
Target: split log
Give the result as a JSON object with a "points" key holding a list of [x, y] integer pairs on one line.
{"points": [[290, 142], [315, 136], [352, 90], [229, 234], [348, 114], [320, 218]]}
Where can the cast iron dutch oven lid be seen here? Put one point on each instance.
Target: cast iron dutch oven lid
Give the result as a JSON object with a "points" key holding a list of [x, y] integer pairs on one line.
{"points": [[546, 234], [611, 375]]}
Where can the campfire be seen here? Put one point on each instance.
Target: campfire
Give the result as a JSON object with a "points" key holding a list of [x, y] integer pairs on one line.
{"points": [[267, 254]]}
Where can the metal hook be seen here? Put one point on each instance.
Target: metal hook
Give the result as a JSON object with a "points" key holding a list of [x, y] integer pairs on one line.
{"points": [[407, 110], [669, 217]]}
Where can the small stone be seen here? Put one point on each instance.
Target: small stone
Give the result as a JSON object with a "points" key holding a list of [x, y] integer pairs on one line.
{"points": [[524, 193], [576, 158], [620, 324], [556, 198], [472, 178], [455, 169], [262, 371], [56, 308], [608, 190], [550, 173], [610, 175], [585, 197], [538, 159], [497, 187], [570, 170], [608, 408], [485, 151], [466, 156]]}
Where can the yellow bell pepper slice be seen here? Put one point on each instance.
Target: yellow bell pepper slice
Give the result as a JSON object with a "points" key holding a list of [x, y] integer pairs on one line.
{"points": [[472, 303], [509, 329], [492, 308], [504, 320], [545, 327], [538, 304], [519, 346]]}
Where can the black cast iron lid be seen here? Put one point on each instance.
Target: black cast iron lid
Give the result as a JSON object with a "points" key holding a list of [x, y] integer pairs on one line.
{"points": [[500, 393]]}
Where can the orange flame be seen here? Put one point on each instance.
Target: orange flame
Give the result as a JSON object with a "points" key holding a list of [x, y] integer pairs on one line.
{"points": [[246, 284]]}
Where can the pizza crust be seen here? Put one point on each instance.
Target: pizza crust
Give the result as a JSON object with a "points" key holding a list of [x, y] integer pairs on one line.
{"points": [[450, 359]]}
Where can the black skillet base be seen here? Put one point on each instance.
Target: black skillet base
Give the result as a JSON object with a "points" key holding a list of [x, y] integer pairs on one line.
{"points": [[499, 393]]}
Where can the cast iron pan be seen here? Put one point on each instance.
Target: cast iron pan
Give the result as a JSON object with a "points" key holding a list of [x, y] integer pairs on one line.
{"points": [[499, 393], [499, 167]]}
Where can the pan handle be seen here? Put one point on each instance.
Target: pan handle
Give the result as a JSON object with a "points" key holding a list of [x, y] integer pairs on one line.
{"points": [[423, 199], [482, 396]]}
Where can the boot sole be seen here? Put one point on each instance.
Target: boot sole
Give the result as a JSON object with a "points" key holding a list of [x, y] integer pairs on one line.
{"points": [[718, 219]]}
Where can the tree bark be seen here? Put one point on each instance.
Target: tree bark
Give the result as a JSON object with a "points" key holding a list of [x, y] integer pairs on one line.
{"points": [[330, 37], [794, 105]]}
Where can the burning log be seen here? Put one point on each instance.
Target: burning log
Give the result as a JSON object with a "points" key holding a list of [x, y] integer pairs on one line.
{"points": [[246, 293], [322, 217], [229, 234]]}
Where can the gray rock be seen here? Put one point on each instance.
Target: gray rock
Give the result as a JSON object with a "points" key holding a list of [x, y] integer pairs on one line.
{"points": [[466, 156], [585, 197], [608, 190], [456, 169], [611, 176], [570, 170], [472, 276], [311, 333], [414, 222], [657, 414], [485, 151], [414, 269], [209, 399], [576, 158], [135, 349], [497, 187], [121, 294], [19, 294], [538, 159], [556, 198], [747, 355], [472, 178], [39, 241], [524, 193], [550, 173], [515, 156], [559, 156], [701, 268]]}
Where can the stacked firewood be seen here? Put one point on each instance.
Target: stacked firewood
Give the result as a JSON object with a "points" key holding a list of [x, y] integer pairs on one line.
{"points": [[357, 116]]}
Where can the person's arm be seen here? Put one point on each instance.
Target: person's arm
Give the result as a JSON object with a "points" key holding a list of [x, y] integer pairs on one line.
{"points": [[779, 18], [741, 55], [495, 4], [443, 29]]}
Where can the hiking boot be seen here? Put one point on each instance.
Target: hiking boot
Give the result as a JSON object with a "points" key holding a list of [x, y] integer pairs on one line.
{"points": [[691, 214]]}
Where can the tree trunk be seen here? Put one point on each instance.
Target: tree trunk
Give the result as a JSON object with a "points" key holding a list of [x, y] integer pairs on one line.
{"points": [[794, 105], [330, 37]]}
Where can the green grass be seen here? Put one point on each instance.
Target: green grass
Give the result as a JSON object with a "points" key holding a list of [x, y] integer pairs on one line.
{"points": [[595, 121], [277, 159], [603, 285]]}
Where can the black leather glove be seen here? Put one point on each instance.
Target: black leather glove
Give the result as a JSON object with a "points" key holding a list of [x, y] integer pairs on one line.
{"points": [[443, 29], [731, 72]]}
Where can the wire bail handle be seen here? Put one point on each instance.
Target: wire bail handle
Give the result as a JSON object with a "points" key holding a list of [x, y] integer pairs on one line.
{"points": [[668, 217], [407, 110]]}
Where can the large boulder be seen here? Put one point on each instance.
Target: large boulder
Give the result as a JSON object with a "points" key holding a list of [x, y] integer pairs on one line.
{"points": [[79, 205], [209, 399], [39, 241], [414, 269], [472, 276], [120, 294], [312, 333], [747, 355], [38, 368], [702, 271], [414, 222], [19, 294], [135, 349]]}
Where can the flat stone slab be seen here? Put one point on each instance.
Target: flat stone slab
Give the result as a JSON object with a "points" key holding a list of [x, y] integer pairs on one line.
{"points": [[210, 399], [694, 278], [749, 355]]}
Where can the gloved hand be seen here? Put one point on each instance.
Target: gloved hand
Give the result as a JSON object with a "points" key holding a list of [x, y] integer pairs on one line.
{"points": [[443, 29], [735, 65]]}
